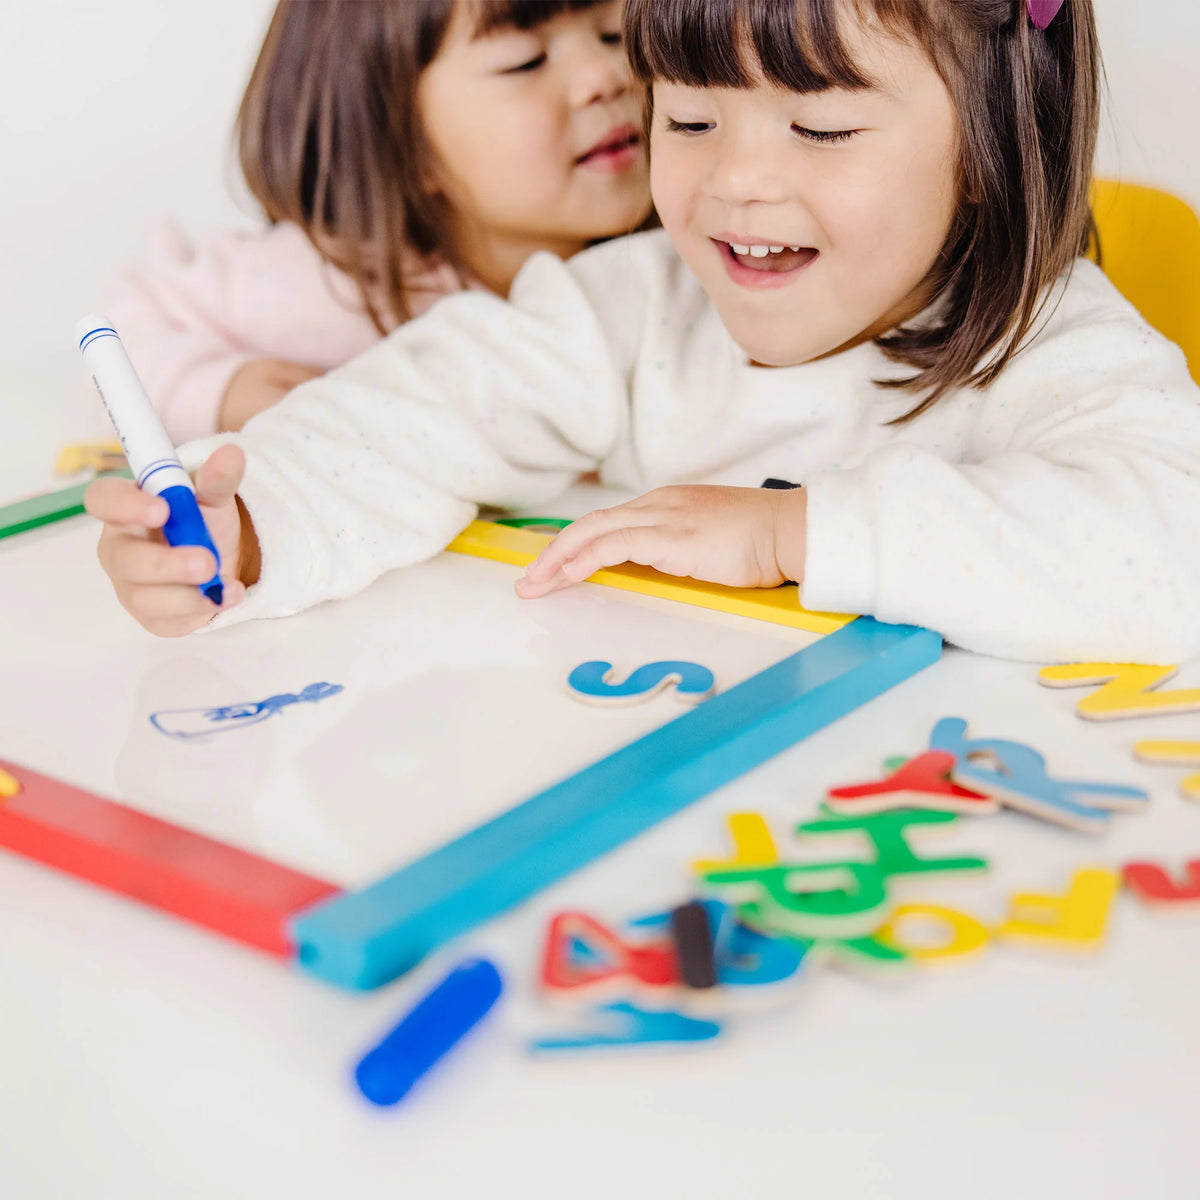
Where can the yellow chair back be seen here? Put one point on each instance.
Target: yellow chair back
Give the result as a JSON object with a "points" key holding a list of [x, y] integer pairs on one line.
{"points": [[1150, 249]]}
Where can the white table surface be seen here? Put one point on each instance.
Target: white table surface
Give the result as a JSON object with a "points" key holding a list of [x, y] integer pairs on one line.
{"points": [[143, 1058]]}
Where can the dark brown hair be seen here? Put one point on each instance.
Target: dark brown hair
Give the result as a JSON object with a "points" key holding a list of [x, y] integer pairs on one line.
{"points": [[1028, 110], [329, 135]]}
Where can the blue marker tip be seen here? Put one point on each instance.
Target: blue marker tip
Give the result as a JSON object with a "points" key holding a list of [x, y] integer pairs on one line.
{"points": [[185, 527], [438, 1022]]}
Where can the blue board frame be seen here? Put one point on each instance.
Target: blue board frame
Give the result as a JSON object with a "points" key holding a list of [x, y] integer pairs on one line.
{"points": [[367, 938]]}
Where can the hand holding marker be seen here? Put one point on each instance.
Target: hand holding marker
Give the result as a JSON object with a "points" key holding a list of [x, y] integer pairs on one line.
{"points": [[152, 459]]}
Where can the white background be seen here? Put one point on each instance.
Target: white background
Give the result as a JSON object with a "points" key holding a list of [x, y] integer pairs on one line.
{"points": [[113, 112]]}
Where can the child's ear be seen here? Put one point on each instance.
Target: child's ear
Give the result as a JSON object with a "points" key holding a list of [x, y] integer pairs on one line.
{"points": [[431, 180], [430, 177]]}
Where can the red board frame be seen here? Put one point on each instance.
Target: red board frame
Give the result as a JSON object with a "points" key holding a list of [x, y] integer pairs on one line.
{"points": [[193, 876]]}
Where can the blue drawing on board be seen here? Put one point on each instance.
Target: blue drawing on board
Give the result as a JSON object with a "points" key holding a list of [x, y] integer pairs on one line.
{"points": [[194, 724], [589, 681]]}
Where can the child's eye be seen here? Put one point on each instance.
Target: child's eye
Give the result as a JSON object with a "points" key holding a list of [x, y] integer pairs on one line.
{"points": [[611, 39], [824, 136], [531, 65], [674, 126]]}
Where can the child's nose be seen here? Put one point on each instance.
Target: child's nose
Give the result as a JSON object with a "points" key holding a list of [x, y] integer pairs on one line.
{"points": [[597, 73], [744, 172]]}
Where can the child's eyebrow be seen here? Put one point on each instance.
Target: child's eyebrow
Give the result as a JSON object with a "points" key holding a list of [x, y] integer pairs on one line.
{"points": [[875, 88], [482, 32], [493, 17], [753, 75], [496, 29], [871, 86]]}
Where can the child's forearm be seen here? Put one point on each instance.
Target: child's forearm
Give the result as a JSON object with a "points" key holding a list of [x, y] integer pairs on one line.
{"points": [[256, 386], [378, 464]]}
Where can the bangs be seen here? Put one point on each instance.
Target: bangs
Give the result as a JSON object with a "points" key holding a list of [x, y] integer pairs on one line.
{"points": [[494, 15], [796, 44]]}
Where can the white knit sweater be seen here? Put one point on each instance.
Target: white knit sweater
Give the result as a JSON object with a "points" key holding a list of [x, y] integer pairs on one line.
{"points": [[1054, 516]]}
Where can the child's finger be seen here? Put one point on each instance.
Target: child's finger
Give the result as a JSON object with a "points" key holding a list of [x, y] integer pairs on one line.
{"points": [[219, 476], [122, 502], [154, 603], [138, 560], [529, 590], [570, 542], [643, 544], [638, 544], [158, 603]]}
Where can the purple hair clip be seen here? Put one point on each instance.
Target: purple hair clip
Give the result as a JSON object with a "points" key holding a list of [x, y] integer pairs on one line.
{"points": [[1042, 12]]}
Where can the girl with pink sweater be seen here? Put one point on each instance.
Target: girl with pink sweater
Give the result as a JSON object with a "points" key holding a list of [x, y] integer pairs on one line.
{"points": [[401, 150]]}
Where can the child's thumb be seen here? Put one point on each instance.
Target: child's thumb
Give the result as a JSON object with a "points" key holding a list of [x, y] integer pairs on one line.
{"points": [[219, 476]]}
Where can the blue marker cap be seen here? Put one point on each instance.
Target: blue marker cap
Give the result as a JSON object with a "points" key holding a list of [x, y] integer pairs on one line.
{"points": [[433, 1027], [185, 527]]}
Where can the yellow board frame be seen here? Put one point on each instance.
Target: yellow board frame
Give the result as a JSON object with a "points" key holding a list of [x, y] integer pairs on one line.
{"points": [[502, 543]]}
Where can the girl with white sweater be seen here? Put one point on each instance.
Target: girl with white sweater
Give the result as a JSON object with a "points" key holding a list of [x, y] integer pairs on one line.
{"points": [[868, 283]]}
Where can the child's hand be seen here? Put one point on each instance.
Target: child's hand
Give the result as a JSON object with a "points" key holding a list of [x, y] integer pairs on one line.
{"points": [[741, 537], [156, 583], [257, 386]]}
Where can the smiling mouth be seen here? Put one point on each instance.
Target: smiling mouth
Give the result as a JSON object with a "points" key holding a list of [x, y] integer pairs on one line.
{"points": [[619, 144], [769, 259]]}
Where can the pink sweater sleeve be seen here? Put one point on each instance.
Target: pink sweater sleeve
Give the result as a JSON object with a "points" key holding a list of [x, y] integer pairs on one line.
{"points": [[191, 316]]}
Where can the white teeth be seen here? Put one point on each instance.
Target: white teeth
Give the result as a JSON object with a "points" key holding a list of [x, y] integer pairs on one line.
{"points": [[759, 251]]}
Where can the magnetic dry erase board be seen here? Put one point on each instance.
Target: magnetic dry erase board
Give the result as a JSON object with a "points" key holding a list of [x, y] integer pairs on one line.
{"points": [[445, 773]]}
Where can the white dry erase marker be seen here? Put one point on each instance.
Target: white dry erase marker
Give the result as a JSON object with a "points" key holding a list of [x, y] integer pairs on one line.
{"points": [[152, 458]]}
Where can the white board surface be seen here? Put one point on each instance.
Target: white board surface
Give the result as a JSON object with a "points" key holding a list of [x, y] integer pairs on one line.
{"points": [[455, 703]]}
